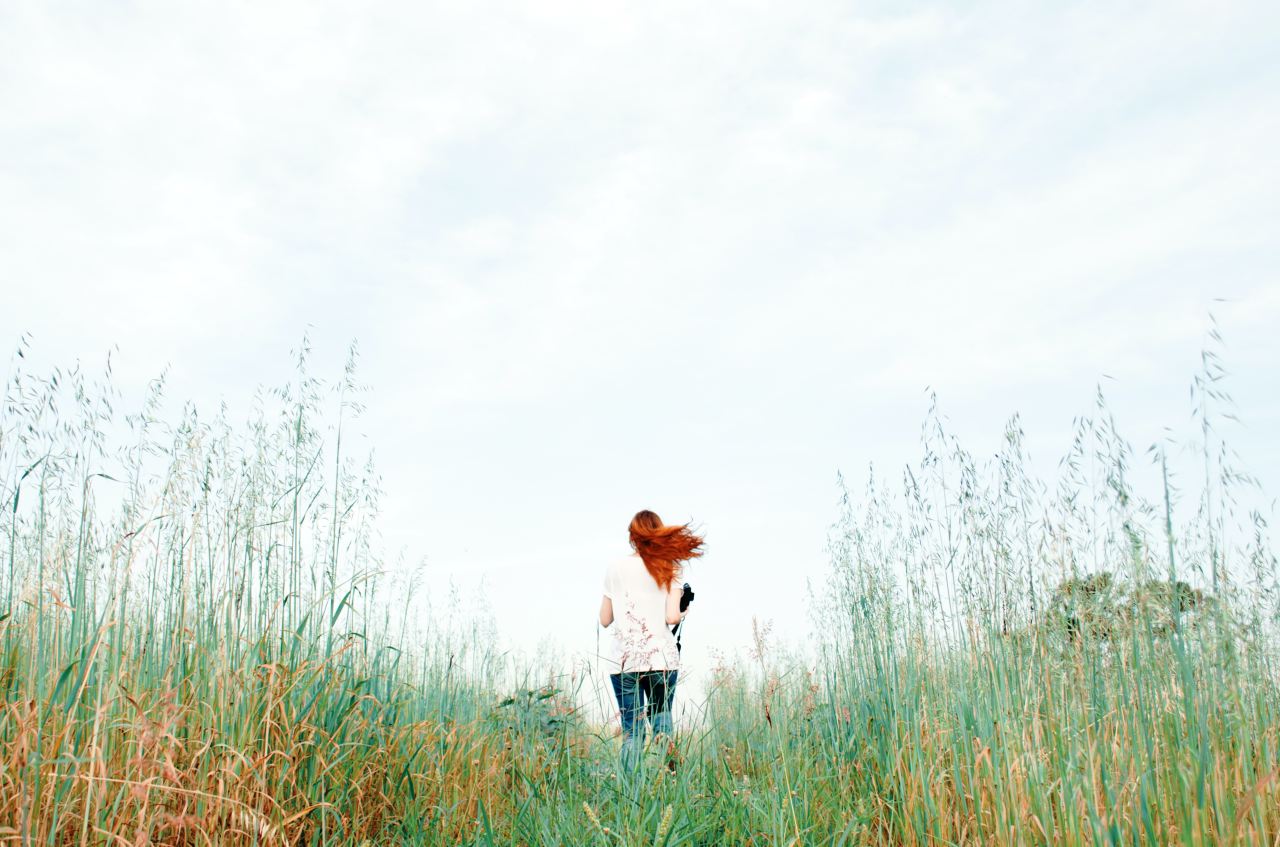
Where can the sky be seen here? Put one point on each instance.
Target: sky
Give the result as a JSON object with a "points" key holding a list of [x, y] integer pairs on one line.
{"points": [[607, 256]]}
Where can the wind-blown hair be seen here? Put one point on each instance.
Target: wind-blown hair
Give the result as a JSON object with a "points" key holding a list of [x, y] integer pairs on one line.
{"points": [[662, 547]]}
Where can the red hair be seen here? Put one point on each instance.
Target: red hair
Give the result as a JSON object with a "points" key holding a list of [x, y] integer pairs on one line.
{"points": [[663, 547]]}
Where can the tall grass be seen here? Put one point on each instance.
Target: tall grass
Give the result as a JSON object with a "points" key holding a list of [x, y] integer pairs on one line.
{"points": [[197, 638], [200, 647]]}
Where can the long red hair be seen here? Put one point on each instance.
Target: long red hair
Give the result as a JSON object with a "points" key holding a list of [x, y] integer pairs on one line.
{"points": [[662, 547]]}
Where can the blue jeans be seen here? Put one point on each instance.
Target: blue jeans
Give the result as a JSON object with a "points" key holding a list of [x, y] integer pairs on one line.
{"points": [[633, 689]]}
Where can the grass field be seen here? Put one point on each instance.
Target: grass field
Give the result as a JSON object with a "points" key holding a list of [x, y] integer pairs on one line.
{"points": [[200, 647]]}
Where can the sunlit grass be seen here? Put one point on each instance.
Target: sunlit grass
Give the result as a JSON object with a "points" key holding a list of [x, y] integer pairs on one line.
{"points": [[200, 646]]}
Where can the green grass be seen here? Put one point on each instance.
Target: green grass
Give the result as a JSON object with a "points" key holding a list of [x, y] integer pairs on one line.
{"points": [[200, 646]]}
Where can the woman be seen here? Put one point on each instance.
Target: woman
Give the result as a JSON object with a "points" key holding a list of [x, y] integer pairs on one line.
{"points": [[641, 602]]}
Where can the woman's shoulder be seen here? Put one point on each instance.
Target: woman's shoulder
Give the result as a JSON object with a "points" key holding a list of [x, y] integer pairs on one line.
{"points": [[623, 563]]}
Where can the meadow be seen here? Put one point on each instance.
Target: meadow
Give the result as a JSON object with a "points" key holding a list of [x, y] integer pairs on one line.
{"points": [[200, 644]]}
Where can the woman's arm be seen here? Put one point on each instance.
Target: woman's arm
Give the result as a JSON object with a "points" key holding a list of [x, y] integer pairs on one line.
{"points": [[606, 611], [674, 593]]}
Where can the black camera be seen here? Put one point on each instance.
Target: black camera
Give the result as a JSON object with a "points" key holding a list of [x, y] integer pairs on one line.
{"points": [[686, 597]]}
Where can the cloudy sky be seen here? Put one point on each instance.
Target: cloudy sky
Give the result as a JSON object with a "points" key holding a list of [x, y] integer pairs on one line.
{"points": [[690, 257]]}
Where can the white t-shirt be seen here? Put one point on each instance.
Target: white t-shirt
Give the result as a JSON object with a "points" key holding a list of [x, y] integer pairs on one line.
{"points": [[642, 639]]}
